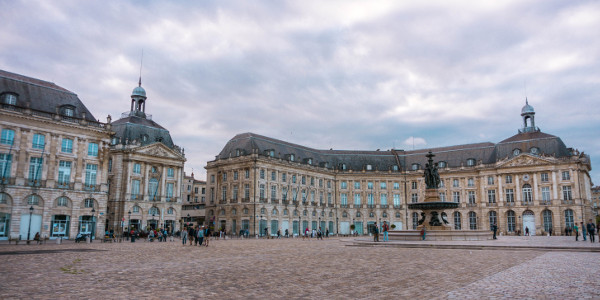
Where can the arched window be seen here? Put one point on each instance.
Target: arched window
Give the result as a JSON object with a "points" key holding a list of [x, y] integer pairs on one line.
{"points": [[234, 212], [245, 211], [397, 215], [263, 211], [285, 212], [442, 164], [457, 220], [136, 209], [547, 217], [510, 221], [153, 211], [330, 214], [34, 200], [472, 220], [170, 211], [470, 162], [274, 212], [153, 189], [527, 193], [89, 203], [62, 201], [5, 199], [415, 220], [493, 219], [344, 214], [569, 218], [414, 166], [358, 214]]}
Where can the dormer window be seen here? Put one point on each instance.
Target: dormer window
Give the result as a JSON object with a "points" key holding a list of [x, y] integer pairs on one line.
{"points": [[9, 98], [67, 110], [270, 153], [516, 152], [442, 164], [534, 150], [144, 138], [415, 167], [369, 167], [324, 164], [395, 168], [343, 167], [291, 157], [470, 162], [239, 152]]}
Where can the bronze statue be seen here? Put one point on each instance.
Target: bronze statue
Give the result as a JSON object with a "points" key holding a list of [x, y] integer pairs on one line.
{"points": [[422, 218], [432, 177]]}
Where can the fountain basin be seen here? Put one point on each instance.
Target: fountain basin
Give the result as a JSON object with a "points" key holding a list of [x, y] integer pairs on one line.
{"points": [[433, 205]]}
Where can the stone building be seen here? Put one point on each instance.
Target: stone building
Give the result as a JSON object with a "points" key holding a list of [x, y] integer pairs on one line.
{"points": [[193, 197], [530, 180], [145, 172], [596, 200], [54, 158]]}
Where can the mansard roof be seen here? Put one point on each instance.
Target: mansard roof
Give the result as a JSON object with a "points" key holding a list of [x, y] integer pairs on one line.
{"points": [[143, 130], [454, 156], [42, 95]]}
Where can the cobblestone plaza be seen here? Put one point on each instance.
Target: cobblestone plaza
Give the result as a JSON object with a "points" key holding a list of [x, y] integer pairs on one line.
{"points": [[297, 269]]}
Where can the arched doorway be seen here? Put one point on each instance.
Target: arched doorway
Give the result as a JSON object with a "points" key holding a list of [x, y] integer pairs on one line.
{"points": [[529, 222]]}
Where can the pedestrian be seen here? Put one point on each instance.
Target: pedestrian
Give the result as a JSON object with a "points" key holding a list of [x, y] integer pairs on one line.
{"points": [[184, 234], [591, 229], [583, 231], [200, 236], [287, 233], [191, 234], [550, 231], [207, 233], [326, 232], [385, 227], [423, 232], [526, 231], [319, 233], [306, 234], [278, 233], [495, 229], [375, 232], [576, 230]]}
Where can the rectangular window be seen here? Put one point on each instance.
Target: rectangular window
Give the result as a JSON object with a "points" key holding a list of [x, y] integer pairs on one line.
{"points": [[64, 173], [329, 184], [490, 180], [303, 179], [567, 193], [293, 178], [544, 177], [396, 185], [414, 185], [397, 200], [320, 182], [491, 196], [224, 193], [235, 192], [247, 173], [235, 175], [5, 162], [370, 199], [546, 194], [261, 190], [212, 178], [246, 191], [273, 192], [471, 182], [442, 183], [329, 199], [510, 196], [442, 196], [455, 183], [344, 199], [90, 174], [273, 176], [67, 146], [169, 195], [135, 189], [566, 175], [35, 168], [93, 149], [383, 185], [262, 174], [357, 185], [357, 199], [8, 137], [344, 185], [370, 185], [170, 172], [414, 198], [137, 168], [39, 140], [472, 197], [456, 197], [383, 199], [284, 177], [508, 178]]}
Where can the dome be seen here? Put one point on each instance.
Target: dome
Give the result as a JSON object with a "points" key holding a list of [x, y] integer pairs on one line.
{"points": [[139, 91], [527, 109]]}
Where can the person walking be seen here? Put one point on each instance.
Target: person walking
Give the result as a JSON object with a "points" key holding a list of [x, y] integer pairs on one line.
{"points": [[526, 231], [206, 233], [375, 232], [326, 232], [287, 233], [583, 231], [591, 229], [200, 236], [184, 235], [423, 232], [385, 227], [576, 231], [278, 233], [495, 229]]}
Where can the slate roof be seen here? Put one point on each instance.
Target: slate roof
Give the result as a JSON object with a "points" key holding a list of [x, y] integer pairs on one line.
{"points": [[454, 156], [41, 95], [134, 127]]}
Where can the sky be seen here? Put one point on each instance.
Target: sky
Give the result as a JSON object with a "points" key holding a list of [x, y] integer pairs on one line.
{"points": [[352, 75]]}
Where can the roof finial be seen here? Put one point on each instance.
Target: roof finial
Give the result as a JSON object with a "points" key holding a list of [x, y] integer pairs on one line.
{"points": [[141, 63], [526, 101]]}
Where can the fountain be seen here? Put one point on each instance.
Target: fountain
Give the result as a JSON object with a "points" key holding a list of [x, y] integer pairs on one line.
{"points": [[434, 218]]}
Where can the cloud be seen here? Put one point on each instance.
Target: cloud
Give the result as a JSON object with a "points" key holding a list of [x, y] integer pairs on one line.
{"points": [[340, 74], [415, 142]]}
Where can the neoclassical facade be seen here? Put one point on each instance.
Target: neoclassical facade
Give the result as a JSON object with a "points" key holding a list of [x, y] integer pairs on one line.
{"points": [[145, 172], [193, 200], [53, 161], [530, 181]]}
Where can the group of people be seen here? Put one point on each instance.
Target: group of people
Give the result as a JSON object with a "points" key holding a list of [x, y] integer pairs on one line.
{"points": [[315, 233], [161, 235], [375, 230], [587, 229], [198, 235]]}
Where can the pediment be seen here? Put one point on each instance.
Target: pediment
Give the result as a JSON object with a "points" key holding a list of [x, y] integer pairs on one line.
{"points": [[159, 150], [525, 160]]}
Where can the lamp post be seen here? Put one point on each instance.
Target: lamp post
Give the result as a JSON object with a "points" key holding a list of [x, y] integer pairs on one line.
{"points": [[93, 224], [129, 225], [153, 215], [29, 229], [519, 225], [188, 219]]}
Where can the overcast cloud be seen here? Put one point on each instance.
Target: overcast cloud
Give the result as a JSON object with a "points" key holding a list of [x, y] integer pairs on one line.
{"points": [[325, 74]]}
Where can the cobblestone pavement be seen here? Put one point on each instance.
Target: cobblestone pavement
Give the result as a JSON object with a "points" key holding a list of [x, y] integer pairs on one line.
{"points": [[290, 269]]}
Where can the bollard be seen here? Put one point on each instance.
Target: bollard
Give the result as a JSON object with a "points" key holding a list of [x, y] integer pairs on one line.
{"points": [[87, 239]]}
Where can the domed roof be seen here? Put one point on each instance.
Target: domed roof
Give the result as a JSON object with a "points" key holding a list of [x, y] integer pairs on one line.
{"points": [[139, 91], [527, 109]]}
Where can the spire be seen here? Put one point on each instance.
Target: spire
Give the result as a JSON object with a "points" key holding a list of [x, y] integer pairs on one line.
{"points": [[141, 64]]}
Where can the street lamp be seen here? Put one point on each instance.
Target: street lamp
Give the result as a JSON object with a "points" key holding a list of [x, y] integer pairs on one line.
{"points": [[129, 224], [93, 224], [153, 215], [29, 229]]}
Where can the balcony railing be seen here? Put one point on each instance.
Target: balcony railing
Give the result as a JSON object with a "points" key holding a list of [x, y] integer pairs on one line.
{"points": [[471, 204], [234, 200], [370, 205], [274, 201], [568, 202], [330, 205], [295, 202], [526, 203], [64, 185], [492, 204], [245, 200], [344, 205], [396, 206], [358, 205], [546, 202], [509, 204], [262, 200], [384, 206]]}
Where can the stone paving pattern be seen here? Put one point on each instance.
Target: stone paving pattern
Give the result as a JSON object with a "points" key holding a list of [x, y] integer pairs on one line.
{"points": [[294, 269]]}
